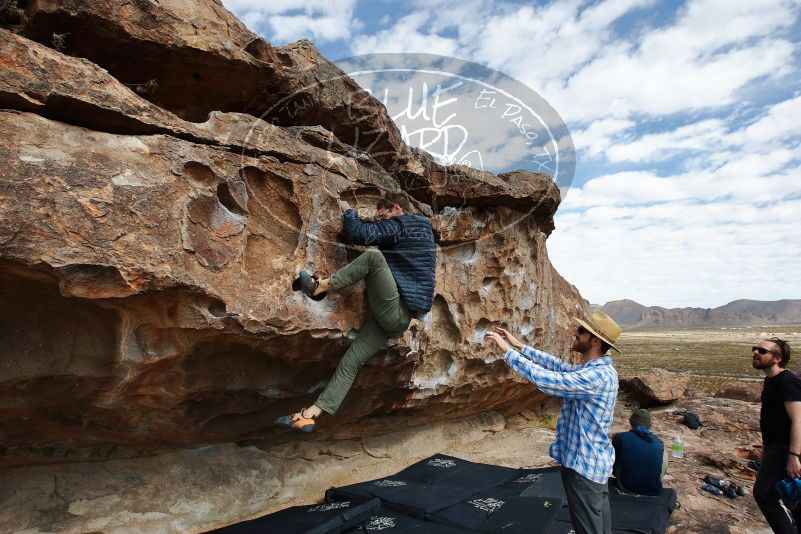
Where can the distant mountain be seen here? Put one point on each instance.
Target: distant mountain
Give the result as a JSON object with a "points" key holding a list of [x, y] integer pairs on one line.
{"points": [[624, 312], [738, 313]]}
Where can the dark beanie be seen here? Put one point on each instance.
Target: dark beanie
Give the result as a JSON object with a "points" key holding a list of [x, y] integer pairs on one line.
{"points": [[640, 417]]}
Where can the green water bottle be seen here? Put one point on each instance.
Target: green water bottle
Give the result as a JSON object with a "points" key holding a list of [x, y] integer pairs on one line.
{"points": [[678, 448]]}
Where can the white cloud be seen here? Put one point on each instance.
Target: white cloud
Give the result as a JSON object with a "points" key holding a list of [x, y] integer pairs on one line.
{"points": [[683, 253], [708, 142], [692, 238], [596, 138], [705, 135], [749, 177], [406, 35], [621, 84], [713, 180], [711, 51], [780, 121], [284, 21], [563, 35], [569, 52], [686, 239]]}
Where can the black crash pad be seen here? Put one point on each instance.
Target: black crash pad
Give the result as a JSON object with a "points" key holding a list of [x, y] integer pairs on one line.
{"points": [[315, 519], [544, 482], [413, 498], [387, 521], [447, 495], [523, 515], [428, 486], [631, 513], [500, 510], [474, 510], [641, 513], [443, 469], [566, 527]]}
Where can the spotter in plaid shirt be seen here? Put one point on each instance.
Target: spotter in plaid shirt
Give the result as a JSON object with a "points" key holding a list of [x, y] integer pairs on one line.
{"points": [[589, 392]]}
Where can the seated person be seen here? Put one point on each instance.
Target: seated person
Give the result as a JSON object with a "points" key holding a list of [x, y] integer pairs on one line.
{"points": [[640, 457]]}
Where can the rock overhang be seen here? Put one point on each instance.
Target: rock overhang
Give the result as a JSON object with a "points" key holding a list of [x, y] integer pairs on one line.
{"points": [[169, 235]]}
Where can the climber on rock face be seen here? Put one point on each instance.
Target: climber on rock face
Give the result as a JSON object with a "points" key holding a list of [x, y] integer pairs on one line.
{"points": [[399, 276]]}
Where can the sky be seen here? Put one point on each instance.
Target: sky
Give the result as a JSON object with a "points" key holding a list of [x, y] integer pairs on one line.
{"points": [[685, 117]]}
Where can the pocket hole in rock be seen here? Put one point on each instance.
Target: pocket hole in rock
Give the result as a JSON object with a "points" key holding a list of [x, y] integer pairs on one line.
{"points": [[217, 308], [228, 200], [200, 173]]}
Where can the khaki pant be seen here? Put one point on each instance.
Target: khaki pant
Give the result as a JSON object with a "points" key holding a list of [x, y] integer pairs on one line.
{"points": [[386, 317]]}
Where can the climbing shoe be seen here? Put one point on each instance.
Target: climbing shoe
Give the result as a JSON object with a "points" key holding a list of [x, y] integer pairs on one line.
{"points": [[308, 284], [302, 424]]}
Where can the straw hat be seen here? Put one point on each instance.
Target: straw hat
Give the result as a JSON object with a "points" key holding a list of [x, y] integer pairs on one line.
{"points": [[602, 326]]}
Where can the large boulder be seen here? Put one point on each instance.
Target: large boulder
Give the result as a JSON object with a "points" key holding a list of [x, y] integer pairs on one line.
{"points": [[654, 387], [194, 57], [151, 233], [741, 390]]}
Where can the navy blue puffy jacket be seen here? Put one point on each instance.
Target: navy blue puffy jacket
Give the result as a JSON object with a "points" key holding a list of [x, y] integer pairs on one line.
{"points": [[407, 243]]}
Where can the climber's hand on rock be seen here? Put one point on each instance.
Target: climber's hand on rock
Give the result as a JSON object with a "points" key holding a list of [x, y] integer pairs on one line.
{"points": [[343, 205], [516, 343], [793, 466], [500, 341]]}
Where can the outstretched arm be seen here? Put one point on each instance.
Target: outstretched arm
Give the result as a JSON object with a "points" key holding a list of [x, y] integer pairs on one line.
{"points": [[383, 232], [543, 359], [552, 363], [583, 383]]}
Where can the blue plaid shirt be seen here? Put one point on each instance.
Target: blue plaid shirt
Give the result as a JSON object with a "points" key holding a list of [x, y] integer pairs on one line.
{"points": [[589, 392]]}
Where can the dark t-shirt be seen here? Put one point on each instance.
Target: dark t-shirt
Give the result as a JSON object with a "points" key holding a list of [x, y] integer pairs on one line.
{"points": [[773, 419]]}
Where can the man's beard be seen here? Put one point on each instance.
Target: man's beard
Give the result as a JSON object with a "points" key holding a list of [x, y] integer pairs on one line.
{"points": [[580, 346], [759, 364]]}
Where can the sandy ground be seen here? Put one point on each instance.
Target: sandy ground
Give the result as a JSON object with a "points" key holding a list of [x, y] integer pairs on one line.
{"points": [[199, 489]]}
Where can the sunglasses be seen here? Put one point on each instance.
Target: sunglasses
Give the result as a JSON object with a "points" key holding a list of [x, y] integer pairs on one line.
{"points": [[762, 350]]}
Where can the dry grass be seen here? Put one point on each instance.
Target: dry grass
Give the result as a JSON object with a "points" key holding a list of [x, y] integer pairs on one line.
{"points": [[712, 356], [549, 421]]}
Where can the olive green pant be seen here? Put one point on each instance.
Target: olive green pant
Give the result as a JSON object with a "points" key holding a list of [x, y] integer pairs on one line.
{"points": [[386, 317]]}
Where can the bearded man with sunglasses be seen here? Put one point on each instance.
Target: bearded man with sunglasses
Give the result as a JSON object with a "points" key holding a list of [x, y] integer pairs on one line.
{"points": [[780, 423], [589, 392]]}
